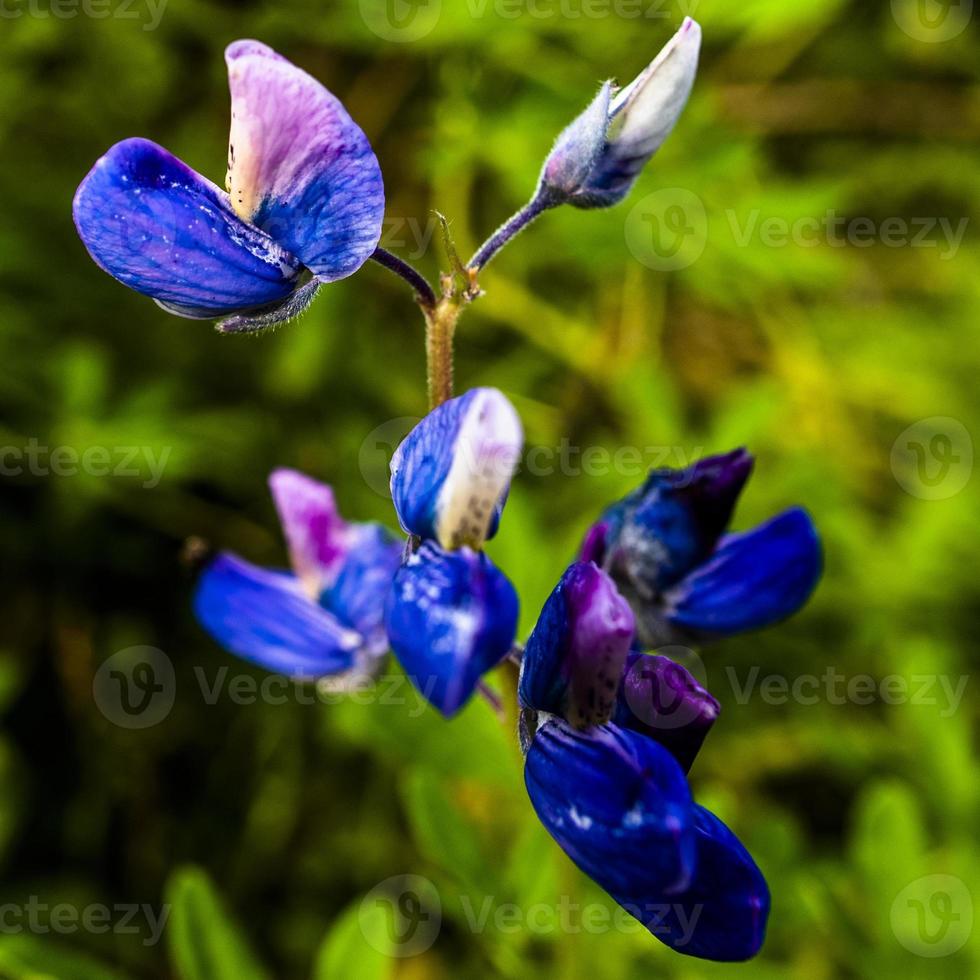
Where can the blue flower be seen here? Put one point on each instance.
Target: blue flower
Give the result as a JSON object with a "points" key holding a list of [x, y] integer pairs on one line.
{"points": [[595, 161], [606, 757], [686, 579], [355, 591], [304, 204], [325, 617], [452, 615]]}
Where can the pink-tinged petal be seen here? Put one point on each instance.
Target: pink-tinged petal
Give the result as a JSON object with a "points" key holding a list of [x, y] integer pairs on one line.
{"points": [[574, 659], [298, 166], [317, 536], [162, 229]]}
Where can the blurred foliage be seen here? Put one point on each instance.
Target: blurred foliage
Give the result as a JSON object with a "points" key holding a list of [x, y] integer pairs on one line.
{"points": [[816, 358]]}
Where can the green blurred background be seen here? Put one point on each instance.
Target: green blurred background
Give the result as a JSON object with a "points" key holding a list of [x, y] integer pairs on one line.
{"points": [[606, 332]]}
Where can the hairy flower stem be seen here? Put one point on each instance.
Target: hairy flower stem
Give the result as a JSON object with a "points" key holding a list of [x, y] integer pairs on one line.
{"points": [[423, 291], [440, 327], [509, 230]]}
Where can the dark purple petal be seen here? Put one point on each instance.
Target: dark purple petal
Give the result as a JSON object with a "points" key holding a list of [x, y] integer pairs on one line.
{"points": [[574, 659], [317, 536], [298, 166], [722, 914], [659, 698], [358, 595], [451, 474], [266, 618], [753, 579], [162, 229], [618, 805], [666, 527], [451, 617], [594, 544]]}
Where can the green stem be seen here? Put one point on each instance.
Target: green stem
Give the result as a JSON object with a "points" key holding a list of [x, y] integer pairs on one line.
{"points": [[440, 327]]}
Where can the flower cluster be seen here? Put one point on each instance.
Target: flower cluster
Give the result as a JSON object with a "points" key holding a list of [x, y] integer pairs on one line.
{"points": [[610, 731], [609, 727], [304, 204], [356, 590]]}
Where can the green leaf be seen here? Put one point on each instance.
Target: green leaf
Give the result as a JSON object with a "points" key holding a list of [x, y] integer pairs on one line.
{"points": [[356, 946], [443, 834], [205, 944]]}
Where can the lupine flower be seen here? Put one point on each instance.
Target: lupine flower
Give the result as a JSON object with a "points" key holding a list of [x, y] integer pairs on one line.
{"points": [[613, 793], [597, 158], [452, 614], [686, 579], [304, 204], [324, 619]]}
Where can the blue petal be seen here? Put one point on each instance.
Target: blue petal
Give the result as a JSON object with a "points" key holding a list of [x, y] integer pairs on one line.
{"points": [[164, 230], [299, 167], [722, 914], [574, 659], [451, 474], [618, 805], [451, 617], [753, 579], [266, 618], [657, 534], [357, 596], [660, 699]]}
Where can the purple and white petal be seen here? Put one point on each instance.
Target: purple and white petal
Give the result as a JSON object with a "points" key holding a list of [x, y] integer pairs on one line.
{"points": [[298, 166], [574, 659], [451, 474], [265, 617], [317, 536], [162, 229]]}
